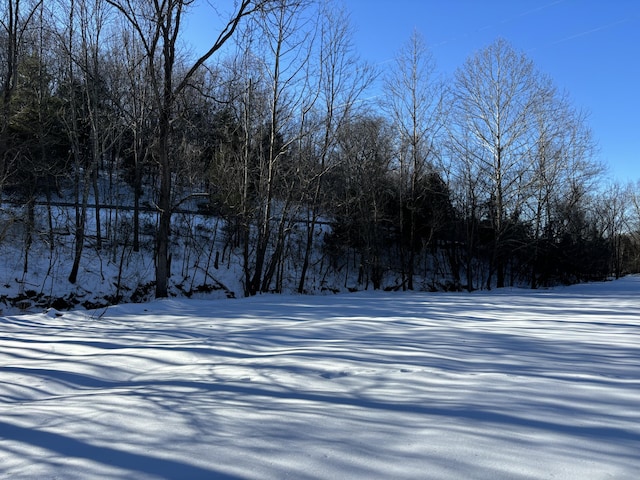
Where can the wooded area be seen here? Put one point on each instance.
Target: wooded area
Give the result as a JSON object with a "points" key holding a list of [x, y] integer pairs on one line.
{"points": [[285, 142]]}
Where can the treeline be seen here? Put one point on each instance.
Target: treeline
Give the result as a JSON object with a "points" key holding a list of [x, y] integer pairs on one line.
{"points": [[400, 178]]}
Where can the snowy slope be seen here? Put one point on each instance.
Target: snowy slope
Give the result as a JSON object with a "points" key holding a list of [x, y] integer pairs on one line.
{"points": [[511, 384]]}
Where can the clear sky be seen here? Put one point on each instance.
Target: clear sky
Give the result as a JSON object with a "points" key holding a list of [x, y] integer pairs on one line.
{"points": [[590, 48]]}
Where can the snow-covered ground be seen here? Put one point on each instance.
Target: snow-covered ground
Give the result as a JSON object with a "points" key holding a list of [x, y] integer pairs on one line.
{"points": [[509, 384]]}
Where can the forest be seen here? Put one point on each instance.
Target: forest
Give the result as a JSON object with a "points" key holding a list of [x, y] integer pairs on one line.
{"points": [[280, 159]]}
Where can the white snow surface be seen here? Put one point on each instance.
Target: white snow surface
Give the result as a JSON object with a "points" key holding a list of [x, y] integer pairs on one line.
{"points": [[508, 384]]}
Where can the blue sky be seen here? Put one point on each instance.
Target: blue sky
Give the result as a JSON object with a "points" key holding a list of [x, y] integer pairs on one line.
{"points": [[590, 48]]}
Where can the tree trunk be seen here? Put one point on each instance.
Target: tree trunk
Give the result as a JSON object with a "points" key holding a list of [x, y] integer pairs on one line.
{"points": [[311, 224], [164, 206], [81, 220]]}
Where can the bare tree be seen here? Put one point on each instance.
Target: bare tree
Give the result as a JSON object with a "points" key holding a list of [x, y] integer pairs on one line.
{"points": [[136, 110], [561, 158], [86, 59], [464, 176], [614, 207], [362, 192], [280, 96], [495, 95], [634, 227], [414, 100], [342, 79], [158, 25]]}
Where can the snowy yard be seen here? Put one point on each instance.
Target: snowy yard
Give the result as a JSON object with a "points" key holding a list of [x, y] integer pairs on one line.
{"points": [[511, 384]]}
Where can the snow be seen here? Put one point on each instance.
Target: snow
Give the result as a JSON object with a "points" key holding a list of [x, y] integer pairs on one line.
{"points": [[508, 384]]}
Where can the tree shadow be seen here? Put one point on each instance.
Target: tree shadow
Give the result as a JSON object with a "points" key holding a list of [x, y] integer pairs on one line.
{"points": [[349, 372], [132, 462]]}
